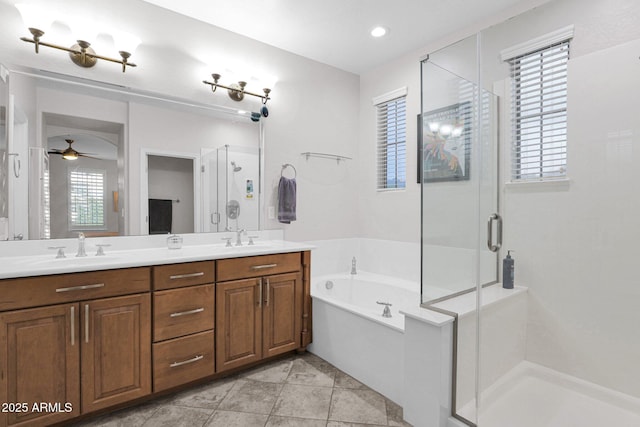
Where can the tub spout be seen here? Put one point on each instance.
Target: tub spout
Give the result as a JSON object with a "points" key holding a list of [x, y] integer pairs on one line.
{"points": [[353, 266]]}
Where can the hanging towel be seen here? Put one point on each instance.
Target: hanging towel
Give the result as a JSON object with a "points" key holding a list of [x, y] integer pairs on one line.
{"points": [[286, 200], [160, 216]]}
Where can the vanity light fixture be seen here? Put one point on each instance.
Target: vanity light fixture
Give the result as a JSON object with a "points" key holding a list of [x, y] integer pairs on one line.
{"points": [[236, 90], [81, 53]]}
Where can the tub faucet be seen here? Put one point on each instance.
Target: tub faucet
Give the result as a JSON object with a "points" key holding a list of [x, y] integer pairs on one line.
{"points": [[386, 312], [81, 251], [353, 266]]}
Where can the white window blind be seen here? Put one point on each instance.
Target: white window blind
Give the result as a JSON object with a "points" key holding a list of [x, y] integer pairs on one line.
{"points": [[539, 111], [87, 199], [391, 129]]}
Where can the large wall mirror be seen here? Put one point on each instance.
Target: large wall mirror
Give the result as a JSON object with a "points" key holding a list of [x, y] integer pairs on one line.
{"points": [[4, 157], [109, 161]]}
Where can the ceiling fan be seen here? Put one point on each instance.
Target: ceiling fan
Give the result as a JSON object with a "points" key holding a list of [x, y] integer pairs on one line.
{"points": [[69, 153]]}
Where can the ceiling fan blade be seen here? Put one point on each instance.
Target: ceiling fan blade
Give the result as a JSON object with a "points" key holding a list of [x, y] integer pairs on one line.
{"points": [[55, 152], [88, 157]]}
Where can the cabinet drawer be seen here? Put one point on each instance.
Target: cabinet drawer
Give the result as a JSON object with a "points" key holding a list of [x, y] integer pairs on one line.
{"points": [[182, 360], [61, 288], [183, 311], [242, 268], [186, 274]]}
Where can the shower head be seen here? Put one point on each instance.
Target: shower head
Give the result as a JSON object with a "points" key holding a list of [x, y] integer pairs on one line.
{"points": [[236, 168]]}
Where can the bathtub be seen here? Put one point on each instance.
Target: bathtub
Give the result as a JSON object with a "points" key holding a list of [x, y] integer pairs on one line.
{"points": [[350, 332]]}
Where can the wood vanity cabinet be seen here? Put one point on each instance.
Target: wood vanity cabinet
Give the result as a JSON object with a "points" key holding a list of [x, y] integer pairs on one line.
{"points": [[115, 350], [81, 342], [39, 362], [183, 323], [259, 305], [90, 350]]}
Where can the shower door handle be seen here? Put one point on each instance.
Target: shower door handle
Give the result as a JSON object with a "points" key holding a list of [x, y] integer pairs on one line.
{"points": [[497, 218]]}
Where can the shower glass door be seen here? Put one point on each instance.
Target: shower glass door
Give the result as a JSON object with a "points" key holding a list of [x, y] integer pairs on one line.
{"points": [[461, 228], [231, 180]]}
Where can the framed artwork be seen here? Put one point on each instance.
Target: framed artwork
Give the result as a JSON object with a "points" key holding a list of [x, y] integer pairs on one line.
{"points": [[444, 143]]}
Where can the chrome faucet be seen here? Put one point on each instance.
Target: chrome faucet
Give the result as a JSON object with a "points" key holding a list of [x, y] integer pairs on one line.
{"points": [[386, 312], [239, 236], [353, 266], [81, 251]]}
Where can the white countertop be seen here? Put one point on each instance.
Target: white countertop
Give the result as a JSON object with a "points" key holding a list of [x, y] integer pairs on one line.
{"points": [[40, 265]]}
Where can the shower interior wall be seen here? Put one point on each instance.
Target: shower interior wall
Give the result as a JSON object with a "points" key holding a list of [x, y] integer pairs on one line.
{"points": [[574, 240]]}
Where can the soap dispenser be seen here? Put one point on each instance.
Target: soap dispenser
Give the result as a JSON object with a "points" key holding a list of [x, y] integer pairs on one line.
{"points": [[508, 270]]}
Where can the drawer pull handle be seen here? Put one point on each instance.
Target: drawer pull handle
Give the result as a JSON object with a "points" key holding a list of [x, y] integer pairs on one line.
{"points": [[268, 292], [183, 313], [86, 323], [185, 362], [262, 267], [186, 276], [73, 325], [80, 288]]}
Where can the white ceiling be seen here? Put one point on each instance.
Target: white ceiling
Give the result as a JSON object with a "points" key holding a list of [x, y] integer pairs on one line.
{"points": [[336, 32]]}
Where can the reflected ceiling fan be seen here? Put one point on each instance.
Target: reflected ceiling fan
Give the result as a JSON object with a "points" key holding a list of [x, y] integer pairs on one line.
{"points": [[69, 153]]}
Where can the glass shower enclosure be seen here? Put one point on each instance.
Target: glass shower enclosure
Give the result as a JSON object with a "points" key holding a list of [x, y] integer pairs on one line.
{"points": [[561, 348], [461, 224]]}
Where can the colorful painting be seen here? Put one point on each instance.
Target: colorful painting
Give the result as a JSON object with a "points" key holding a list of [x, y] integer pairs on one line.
{"points": [[444, 143]]}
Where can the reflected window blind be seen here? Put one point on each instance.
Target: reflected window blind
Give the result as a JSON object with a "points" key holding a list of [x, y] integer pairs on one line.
{"points": [[539, 111], [46, 202], [391, 129], [87, 199]]}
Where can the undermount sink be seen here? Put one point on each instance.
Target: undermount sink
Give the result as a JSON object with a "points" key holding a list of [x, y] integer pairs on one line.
{"points": [[71, 260]]}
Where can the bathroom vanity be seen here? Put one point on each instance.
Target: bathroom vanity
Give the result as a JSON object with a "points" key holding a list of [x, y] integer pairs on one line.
{"points": [[77, 342]]}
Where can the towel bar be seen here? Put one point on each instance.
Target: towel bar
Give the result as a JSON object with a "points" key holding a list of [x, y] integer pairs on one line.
{"points": [[295, 172]]}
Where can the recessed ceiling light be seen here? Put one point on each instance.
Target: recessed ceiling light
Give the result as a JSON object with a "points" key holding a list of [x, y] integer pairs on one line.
{"points": [[379, 31]]}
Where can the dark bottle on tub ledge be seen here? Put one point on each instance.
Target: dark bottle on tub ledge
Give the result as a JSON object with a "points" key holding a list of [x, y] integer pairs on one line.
{"points": [[508, 271]]}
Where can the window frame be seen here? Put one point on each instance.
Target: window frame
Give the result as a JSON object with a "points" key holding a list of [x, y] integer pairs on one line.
{"points": [[73, 225], [395, 102], [548, 137]]}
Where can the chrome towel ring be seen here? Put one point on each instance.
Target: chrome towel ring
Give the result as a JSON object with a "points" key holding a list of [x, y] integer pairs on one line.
{"points": [[286, 165]]}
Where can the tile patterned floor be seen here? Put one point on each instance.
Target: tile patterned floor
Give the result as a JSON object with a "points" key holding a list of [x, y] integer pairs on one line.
{"points": [[299, 391]]}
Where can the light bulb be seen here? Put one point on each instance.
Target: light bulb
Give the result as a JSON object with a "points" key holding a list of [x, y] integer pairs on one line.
{"points": [[85, 30], [126, 42], [445, 130], [434, 126], [35, 16], [379, 32]]}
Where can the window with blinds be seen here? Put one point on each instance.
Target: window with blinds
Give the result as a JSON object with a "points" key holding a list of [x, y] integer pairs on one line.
{"points": [[539, 108], [87, 199], [391, 129]]}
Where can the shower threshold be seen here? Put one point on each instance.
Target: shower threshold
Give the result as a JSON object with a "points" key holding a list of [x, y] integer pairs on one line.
{"points": [[531, 395]]}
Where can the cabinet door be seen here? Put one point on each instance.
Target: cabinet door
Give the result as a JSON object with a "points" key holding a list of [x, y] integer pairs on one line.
{"points": [[282, 313], [39, 364], [238, 323], [116, 350]]}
